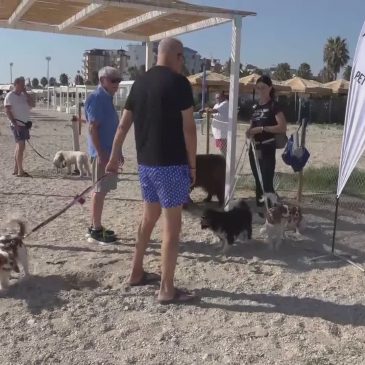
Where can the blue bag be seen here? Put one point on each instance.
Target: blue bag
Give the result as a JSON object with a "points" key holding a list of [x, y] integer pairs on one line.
{"points": [[296, 159]]}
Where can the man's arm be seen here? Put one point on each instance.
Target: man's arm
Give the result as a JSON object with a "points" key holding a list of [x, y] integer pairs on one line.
{"points": [[122, 131], [189, 129], [94, 134], [30, 100], [10, 114]]}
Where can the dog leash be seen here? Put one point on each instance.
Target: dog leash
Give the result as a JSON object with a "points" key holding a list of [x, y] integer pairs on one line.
{"points": [[244, 149], [259, 173], [79, 198], [36, 152]]}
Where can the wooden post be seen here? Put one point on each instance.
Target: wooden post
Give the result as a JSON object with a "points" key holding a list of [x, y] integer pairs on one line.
{"points": [[75, 134], [80, 117], [301, 173], [208, 132]]}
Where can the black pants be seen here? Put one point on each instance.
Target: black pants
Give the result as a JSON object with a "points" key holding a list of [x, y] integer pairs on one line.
{"points": [[267, 161]]}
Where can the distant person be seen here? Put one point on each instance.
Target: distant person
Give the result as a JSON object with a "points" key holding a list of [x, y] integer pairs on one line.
{"points": [[267, 120], [161, 106], [220, 123], [103, 120], [18, 104]]}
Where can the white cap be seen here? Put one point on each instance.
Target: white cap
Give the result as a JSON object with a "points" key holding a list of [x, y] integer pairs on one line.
{"points": [[109, 71]]}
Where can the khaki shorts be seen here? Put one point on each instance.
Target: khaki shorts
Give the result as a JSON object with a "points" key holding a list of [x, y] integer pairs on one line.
{"points": [[107, 183]]}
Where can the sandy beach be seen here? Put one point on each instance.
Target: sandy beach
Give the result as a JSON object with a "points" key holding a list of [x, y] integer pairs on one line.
{"points": [[258, 306]]}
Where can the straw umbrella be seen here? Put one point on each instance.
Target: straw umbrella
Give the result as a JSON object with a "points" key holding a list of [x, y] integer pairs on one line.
{"points": [[303, 86], [247, 84], [214, 82], [299, 85], [338, 86]]}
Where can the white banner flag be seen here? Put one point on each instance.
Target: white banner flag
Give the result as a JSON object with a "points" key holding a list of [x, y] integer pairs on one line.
{"points": [[353, 142]]}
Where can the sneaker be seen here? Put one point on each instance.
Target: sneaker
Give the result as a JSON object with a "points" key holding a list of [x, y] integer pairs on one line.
{"points": [[99, 236], [107, 232]]}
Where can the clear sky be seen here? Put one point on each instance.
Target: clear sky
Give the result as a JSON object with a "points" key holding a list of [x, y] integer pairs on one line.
{"points": [[292, 31]]}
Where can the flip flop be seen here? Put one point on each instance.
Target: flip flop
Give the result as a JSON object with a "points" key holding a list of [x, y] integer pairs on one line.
{"points": [[180, 297], [24, 174], [148, 278]]}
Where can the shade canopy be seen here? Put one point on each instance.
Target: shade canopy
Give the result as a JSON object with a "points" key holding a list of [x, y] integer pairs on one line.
{"points": [[247, 84], [338, 86], [140, 20], [300, 85], [212, 79]]}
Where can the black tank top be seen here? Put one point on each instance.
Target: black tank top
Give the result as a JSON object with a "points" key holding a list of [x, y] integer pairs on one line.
{"points": [[264, 116]]}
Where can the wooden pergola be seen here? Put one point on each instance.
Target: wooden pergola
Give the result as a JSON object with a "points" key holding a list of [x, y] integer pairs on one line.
{"points": [[137, 20]]}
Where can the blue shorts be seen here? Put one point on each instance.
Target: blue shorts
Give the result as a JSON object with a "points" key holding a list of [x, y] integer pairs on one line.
{"points": [[167, 185], [22, 134]]}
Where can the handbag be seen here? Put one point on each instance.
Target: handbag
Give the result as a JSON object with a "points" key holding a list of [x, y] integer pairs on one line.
{"points": [[281, 140], [294, 155]]}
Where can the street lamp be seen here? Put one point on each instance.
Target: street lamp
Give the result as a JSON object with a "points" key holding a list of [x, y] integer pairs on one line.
{"points": [[11, 72], [48, 59]]}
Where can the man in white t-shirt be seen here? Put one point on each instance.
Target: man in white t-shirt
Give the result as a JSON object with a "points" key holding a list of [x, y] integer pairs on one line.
{"points": [[220, 123], [17, 105]]}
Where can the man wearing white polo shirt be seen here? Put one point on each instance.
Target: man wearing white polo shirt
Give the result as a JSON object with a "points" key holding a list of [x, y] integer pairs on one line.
{"points": [[220, 123], [17, 105]]}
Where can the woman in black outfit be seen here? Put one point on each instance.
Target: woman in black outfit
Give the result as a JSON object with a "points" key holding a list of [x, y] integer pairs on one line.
{"points": [[267, 120]]}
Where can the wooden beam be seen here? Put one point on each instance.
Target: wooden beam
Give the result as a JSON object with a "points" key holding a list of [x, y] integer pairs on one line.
{"points": [[189, 28], [176, 8], [80, 16], [72, 31], [21, 9], [135, 22]]}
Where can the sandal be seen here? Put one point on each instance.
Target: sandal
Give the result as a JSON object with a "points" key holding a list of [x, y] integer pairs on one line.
{"points": [[24, 174], [180, 297], [148, 278]]}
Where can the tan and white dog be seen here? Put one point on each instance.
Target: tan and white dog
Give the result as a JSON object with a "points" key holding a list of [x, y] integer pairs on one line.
{"points": [[68, 158], [280, 218], [12, 254]]}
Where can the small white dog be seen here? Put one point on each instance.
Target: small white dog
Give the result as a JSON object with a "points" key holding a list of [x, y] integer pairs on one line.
{"points": [[68, 158], [12, 253]]}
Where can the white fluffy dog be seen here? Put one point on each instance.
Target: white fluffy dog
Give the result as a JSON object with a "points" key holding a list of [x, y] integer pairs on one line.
{"points": [[68, 158]]}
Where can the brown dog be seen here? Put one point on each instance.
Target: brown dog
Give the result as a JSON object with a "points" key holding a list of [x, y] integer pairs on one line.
{"points": [[211, 176]]}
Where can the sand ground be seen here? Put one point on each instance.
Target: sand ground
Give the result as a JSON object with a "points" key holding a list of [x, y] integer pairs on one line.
{"points": [[258, 307]]}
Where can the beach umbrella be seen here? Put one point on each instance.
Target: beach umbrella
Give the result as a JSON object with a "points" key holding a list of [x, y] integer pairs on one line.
{"points": [[247, 84], [338, 86], [300, 85]]}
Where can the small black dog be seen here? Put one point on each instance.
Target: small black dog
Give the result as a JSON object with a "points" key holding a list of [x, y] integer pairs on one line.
{"points": [[211, 176], [229, 226]]}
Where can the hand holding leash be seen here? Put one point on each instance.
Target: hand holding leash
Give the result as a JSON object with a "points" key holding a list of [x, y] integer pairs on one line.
{"points": [[112, 166]]}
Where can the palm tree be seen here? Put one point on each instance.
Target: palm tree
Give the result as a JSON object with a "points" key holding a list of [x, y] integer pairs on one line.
{"points": [[304, 71], [52, 81], [35, 83], [63, 79], [44, 81], [336, 55], [347, 73], [282, 72]]}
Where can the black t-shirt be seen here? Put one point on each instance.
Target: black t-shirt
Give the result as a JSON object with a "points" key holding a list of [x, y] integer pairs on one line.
{"points": [[156, 100], [264, 116]]}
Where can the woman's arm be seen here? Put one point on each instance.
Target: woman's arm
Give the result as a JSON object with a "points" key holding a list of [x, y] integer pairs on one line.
{"points": [[280, 127]]}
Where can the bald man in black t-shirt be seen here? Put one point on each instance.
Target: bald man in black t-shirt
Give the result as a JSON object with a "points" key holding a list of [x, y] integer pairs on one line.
{"points": [[160, 105]]}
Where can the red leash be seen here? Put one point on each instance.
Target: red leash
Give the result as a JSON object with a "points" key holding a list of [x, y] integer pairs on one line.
{"points": [[77, 199]]}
